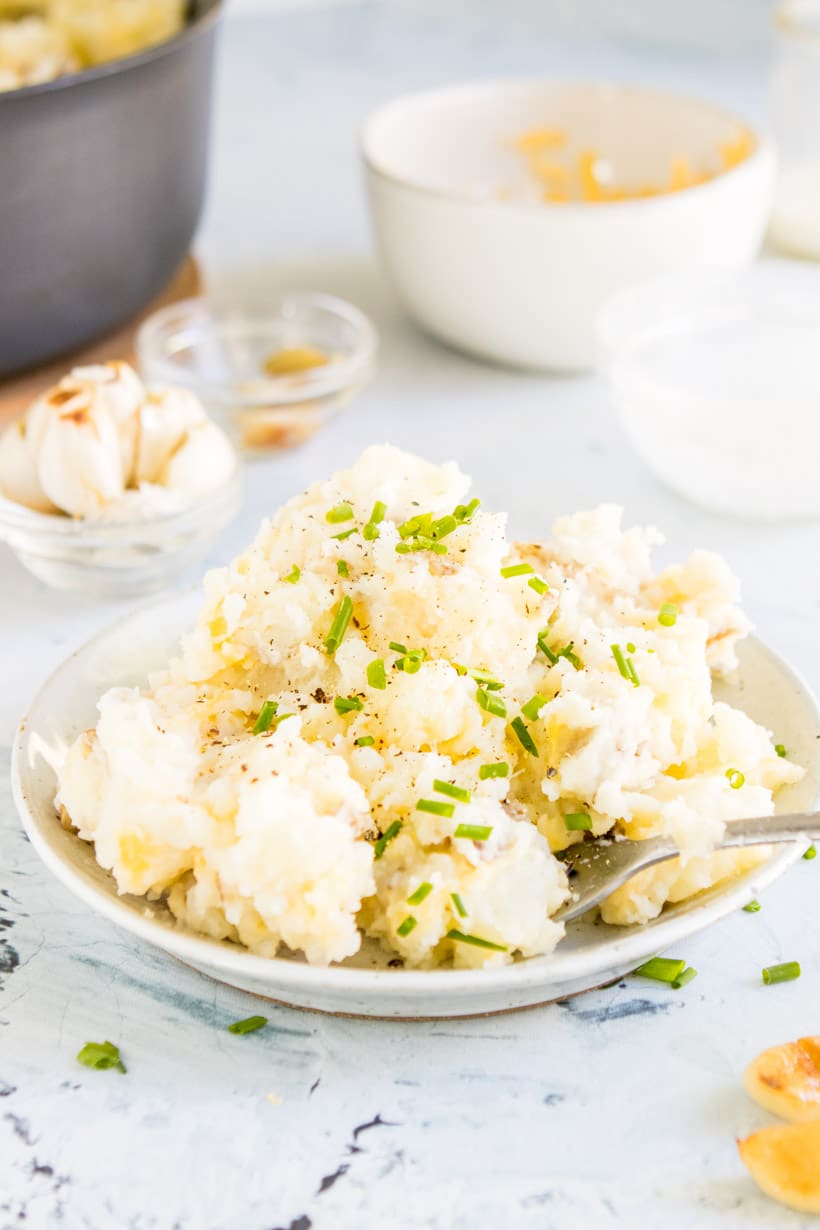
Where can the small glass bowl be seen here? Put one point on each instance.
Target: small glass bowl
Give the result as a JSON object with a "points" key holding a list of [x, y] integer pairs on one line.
{"points": [[219, 351], [118, 559], [715, 380]]}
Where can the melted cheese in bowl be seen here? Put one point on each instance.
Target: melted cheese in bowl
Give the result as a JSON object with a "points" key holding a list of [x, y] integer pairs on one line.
{"points": [[386, 711]]}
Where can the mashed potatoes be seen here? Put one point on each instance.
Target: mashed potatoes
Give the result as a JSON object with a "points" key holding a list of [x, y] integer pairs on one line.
{"points": [[387, 718]]}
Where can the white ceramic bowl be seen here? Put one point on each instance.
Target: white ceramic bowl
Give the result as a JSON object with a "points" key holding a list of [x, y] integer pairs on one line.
{"points": [[521, 282], [715, 380], [589, 955]]}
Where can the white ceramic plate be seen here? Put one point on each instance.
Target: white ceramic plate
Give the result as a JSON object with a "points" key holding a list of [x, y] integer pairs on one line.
{"points": [[592, 953]]}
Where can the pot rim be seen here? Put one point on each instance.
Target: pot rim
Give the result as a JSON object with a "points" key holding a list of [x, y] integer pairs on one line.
{"points": [[195, 26]]}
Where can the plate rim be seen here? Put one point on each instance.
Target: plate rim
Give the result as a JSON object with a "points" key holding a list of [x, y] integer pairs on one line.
{"points": [[288, 975]]}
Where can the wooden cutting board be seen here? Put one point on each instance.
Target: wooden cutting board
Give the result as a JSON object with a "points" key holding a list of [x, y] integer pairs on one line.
{"points": [[17, 392]]}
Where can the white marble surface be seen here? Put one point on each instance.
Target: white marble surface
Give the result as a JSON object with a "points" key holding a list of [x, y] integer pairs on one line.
{"points": [[618, 1109]]}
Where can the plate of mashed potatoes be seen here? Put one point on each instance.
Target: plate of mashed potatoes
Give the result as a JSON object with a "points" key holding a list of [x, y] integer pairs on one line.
{"points": [[342, 776]]}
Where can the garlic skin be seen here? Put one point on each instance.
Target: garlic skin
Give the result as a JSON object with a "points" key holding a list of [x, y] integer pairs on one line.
{"points": [[99, 444]]}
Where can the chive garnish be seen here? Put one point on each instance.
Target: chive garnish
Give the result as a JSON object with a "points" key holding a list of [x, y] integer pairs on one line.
{"points": [[499, 768], [752, 907], [473, 832], [780, 750], [348, 704], [625, 665], [736, 778], [539, 585], [101, 1056], [630, 647], [486, 678], [340, 512], [578, 821], [293, 576], [411, 662], [248, 1026], [371, 530], [436, 808], [338, 628], [455, 792], [376, 674], [344, 534], [463, 512], [517, 570], [387, 836], [534, 706], [688, 974], [573, 658], [810, 853], [668, 614], [786, 972], [364, 741], [397, 648], [421, 892], [407, 926], [266, 716], [661, 969], [342, 568], [490, 703], [523, 735], [461, 909], [476, 940], [551, 657]]}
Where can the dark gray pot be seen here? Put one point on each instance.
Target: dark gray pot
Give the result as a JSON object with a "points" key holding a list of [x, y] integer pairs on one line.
{"points": [[102, 177]]}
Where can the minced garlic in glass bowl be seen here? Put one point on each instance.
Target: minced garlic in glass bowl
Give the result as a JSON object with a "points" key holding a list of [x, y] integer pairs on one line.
{"points": [[109, 486]]}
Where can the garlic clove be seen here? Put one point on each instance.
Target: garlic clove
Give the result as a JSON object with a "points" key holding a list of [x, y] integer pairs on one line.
{"points": [[205, 460], [122, 392], [18, 473], [166, 417], [80, 458]]}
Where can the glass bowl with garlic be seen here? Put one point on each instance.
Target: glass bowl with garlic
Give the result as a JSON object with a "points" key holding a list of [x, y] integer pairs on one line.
{"points": [[111, 487], [271, 372]]}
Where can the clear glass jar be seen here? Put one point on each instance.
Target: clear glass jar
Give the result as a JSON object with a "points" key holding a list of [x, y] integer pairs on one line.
{"points": [[794, 94]]}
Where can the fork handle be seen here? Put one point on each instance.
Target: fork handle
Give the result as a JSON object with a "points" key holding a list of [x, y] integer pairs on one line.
{"points": [[769, 830]]}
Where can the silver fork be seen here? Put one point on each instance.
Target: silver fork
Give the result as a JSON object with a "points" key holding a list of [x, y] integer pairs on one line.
{"points": [[602, 865]]}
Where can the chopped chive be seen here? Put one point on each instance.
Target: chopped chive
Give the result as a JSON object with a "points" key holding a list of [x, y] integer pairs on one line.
{"points": [[101, 1056], [517, 570], [539, 585], [668, 614], [486, 678], [348, 704], [436, 808], [578, 821], [344, 534], [810, 853], [625, 665], [407, 926], [455, 792], [573, 658], [474, 832], [661, 969], [377, 515], [736, 778], [397, 648], [387, 836], [523, 735], [411, 662], [415, 525], [364, 741], [340, 512], [293, 576], [376, 674], [786, 972], [461, 909], [371, 531], [686, 977], [490, 703], [423, 890], [248, 1026], [476, 940], [551, 657], [342, 568], [630, 647], [338, 628], [444, 526], [266, 716], [780, 749], [463, 512], [752, 907], [534, 706], [499, 768]]}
